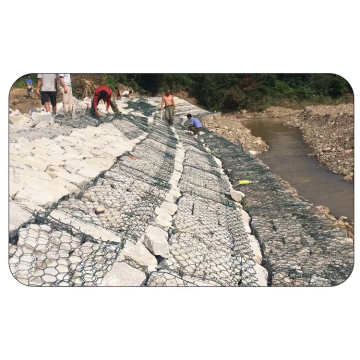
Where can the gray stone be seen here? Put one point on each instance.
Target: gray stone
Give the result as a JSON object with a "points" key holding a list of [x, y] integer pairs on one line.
{"points": [[236, 195], [99, 210], [140, 254], [255, 247], [56, 171], [123, 274], [14, 188], [261, 275], [155, 240], [37, 118], [17, 216], [36, 196], [92, 230], [41, 125], [169, 207]]}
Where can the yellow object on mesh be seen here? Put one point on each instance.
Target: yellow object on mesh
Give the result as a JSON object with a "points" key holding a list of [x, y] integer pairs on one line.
{"points": [[244, 182]]}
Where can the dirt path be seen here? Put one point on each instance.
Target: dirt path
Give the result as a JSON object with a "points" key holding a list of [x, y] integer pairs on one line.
{"points": [[18, 99]]}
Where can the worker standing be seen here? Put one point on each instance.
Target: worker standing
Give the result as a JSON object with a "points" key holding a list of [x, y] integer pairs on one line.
{"points": [[170, 106], [29, 86], [48, 85], [66, 90]]}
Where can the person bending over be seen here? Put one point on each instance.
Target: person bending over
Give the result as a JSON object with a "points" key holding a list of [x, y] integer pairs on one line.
{"points": [[195, 124], [104, 93]]}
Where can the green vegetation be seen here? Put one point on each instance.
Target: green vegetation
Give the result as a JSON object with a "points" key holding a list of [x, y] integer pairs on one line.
{"points": [[20, 82], [227, 92], [256, 92]]}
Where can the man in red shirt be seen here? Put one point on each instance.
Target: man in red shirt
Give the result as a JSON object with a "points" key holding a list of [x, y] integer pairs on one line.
{"points": [[103, 92]]}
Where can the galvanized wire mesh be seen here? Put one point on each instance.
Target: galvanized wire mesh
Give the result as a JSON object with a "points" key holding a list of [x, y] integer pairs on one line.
{"points": [[55, 254], [208, 243], [299, 247]]}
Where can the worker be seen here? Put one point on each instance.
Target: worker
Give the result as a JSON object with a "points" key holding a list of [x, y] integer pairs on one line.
{"points": [[104, 93], [48, 83], [170, 106], [195, 124], [119, 94], [29, 86], [66, 91], [126, 93]]}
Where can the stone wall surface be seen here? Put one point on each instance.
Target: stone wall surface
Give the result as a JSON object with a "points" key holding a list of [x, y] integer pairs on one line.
{"points": [[126, 200]]}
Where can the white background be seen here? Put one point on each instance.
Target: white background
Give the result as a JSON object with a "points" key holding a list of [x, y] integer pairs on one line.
{"points": [[184, 36]]}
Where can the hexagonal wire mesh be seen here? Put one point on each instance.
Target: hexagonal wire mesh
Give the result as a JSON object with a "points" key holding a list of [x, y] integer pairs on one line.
{"points": [[207, 224]]}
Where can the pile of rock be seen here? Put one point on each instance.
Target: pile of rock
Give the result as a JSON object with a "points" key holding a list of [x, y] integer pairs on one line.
{"points": [[35, 119], [231, 127], [329, 130]]}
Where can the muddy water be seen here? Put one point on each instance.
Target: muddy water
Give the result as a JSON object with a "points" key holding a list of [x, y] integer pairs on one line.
{"points": [[287, 157]]}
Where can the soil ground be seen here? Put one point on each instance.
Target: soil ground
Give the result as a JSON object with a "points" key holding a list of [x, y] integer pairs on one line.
{"points": [[18, 99]]}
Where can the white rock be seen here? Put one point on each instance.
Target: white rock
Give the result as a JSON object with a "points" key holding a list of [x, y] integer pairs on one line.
{"points": [[46, 228], [35, 196], [140, 254], [261, 275], [89, 173], [55, 172], [19, 173], [20, 125], [30, 161], [169, 207], [255, 247], [246, 221], [236, 195], [14, 188], [162, 221], [17, 216], [163, 212], [123, 274], [73, 189], [92, 230], [41, 117], [99, 210], [155, 240], [41, 125], [49, 187], [173, 195], [217, 160]]}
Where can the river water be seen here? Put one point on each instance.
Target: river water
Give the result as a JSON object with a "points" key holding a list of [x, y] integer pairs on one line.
{"points": [[287, 157]]}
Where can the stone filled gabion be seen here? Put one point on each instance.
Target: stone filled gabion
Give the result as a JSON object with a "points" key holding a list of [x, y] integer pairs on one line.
{"points": [[299, 247], [170, 181]]}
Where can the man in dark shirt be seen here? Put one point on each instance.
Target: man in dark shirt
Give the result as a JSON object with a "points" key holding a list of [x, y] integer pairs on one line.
{"points": [[104, 93]]}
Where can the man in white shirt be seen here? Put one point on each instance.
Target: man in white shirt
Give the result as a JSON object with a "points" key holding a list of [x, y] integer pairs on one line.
{"points": [[48, 84], [66, 90]]}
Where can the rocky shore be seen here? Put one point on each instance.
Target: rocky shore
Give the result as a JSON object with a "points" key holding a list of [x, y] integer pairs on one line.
{"points": [[231, 127], [327, 129]]}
